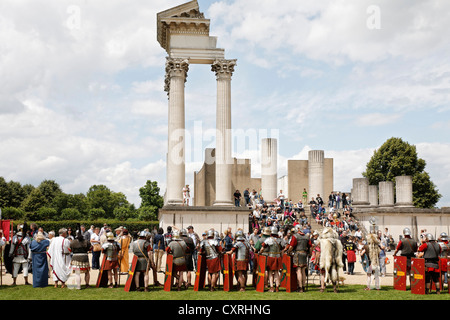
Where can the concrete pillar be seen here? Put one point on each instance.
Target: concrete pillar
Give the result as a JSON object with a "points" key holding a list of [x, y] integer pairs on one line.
{"points": [[269, 168], [223, 70], [404, 191], [360, 192], [373, 195], [386, 190], [176, 73], [316, 164]]}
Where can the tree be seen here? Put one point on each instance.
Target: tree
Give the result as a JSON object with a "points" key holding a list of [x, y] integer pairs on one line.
{"points": [[99, 196], [50, 189], [150, 195], [399, 158]]}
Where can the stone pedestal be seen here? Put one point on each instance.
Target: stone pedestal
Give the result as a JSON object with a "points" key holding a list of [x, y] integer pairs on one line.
{"points": [[269, 168], [404, 191], [373, 195], [205, 218], [176, 73], [223, 70], [386, 193], [360, 192], [316, 174]]}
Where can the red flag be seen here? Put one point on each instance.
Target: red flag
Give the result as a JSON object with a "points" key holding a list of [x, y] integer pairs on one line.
{"points": [[5, 225]]}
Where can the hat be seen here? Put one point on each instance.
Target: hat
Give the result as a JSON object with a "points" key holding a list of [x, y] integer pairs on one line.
{"points": [[110, 236]]}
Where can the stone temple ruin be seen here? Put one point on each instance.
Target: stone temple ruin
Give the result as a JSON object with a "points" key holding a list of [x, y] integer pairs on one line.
{"points": [[183, 32]]}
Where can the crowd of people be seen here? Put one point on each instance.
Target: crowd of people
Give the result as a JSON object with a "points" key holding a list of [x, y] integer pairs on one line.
{"points": [[67, 254]]}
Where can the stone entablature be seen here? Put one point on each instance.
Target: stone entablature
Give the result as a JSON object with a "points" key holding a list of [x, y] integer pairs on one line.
{"points": [[396, 219]]}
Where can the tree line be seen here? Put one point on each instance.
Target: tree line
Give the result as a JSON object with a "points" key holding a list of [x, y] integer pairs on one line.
{"points": [[48, 202]]}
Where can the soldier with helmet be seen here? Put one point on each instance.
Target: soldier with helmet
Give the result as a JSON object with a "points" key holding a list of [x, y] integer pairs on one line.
{"points": [[300, 245], [242, 253], [274, 262], [189, 259], [430, 251], [141, 248], [20, 253], [212, 249], [408, 248], [111, 249], [177, 247], [265, 251], [445, 248]]}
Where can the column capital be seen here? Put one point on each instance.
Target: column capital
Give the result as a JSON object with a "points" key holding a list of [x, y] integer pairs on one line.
{"points": [[175, 67], [223, 68]]}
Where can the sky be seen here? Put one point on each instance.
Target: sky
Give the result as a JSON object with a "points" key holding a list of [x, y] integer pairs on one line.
{"points": [[82, 98]]}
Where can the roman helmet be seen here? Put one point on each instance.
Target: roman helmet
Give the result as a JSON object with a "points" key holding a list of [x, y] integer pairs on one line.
{"points": [[210, 233], [142, 234], [184, 232], [176, 235], [240, 235], [274, 230], [430, 237], [20, 230], [406, 232], [443, 236], [110, 236]]}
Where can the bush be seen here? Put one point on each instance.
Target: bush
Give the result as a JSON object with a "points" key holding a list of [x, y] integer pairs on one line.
{"points": [[46, 213], [124, 213], [13, 213], [96, 213], [148, 213]]}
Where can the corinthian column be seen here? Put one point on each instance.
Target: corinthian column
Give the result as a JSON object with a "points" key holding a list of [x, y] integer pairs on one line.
{"points": [[176, 73], [224, 70]]}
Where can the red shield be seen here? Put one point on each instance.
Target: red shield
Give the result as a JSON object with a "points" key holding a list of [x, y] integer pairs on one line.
{"points": [[418, 275], [291, 274], [168, 278], [284, 271], [261, 273], [102, 280], [227, 273], [400, 273], [200, 274], [130, 285]]}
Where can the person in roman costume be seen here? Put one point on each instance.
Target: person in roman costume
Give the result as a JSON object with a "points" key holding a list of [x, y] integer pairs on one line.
{"points": [[60, 260], [20, 253], [111, 249], [178, 249], [212, 249], [430, 250], [80, 247], [372, 251], [300, 245], [141, 248], [38, 249], [274, 262], [242, 252]]}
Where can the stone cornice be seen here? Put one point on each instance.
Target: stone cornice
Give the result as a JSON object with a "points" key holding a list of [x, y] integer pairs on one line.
{"points": [[185, 19]]}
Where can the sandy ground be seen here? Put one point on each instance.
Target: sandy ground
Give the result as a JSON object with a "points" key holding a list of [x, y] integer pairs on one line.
{"points": [[359, 276]]}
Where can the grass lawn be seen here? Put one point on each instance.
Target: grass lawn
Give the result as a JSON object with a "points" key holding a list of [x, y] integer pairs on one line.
{"points": [[347, 292]]}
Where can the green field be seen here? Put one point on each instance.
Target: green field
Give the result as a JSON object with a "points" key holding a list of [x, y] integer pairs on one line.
{"points": [[347, 292]]}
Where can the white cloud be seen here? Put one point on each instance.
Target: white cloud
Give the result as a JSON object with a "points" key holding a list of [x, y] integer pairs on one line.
{"points": [[376, 119]]}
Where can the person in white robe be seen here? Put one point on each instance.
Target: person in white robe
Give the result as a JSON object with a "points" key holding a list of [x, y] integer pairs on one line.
{"points": [[59, 254]]}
